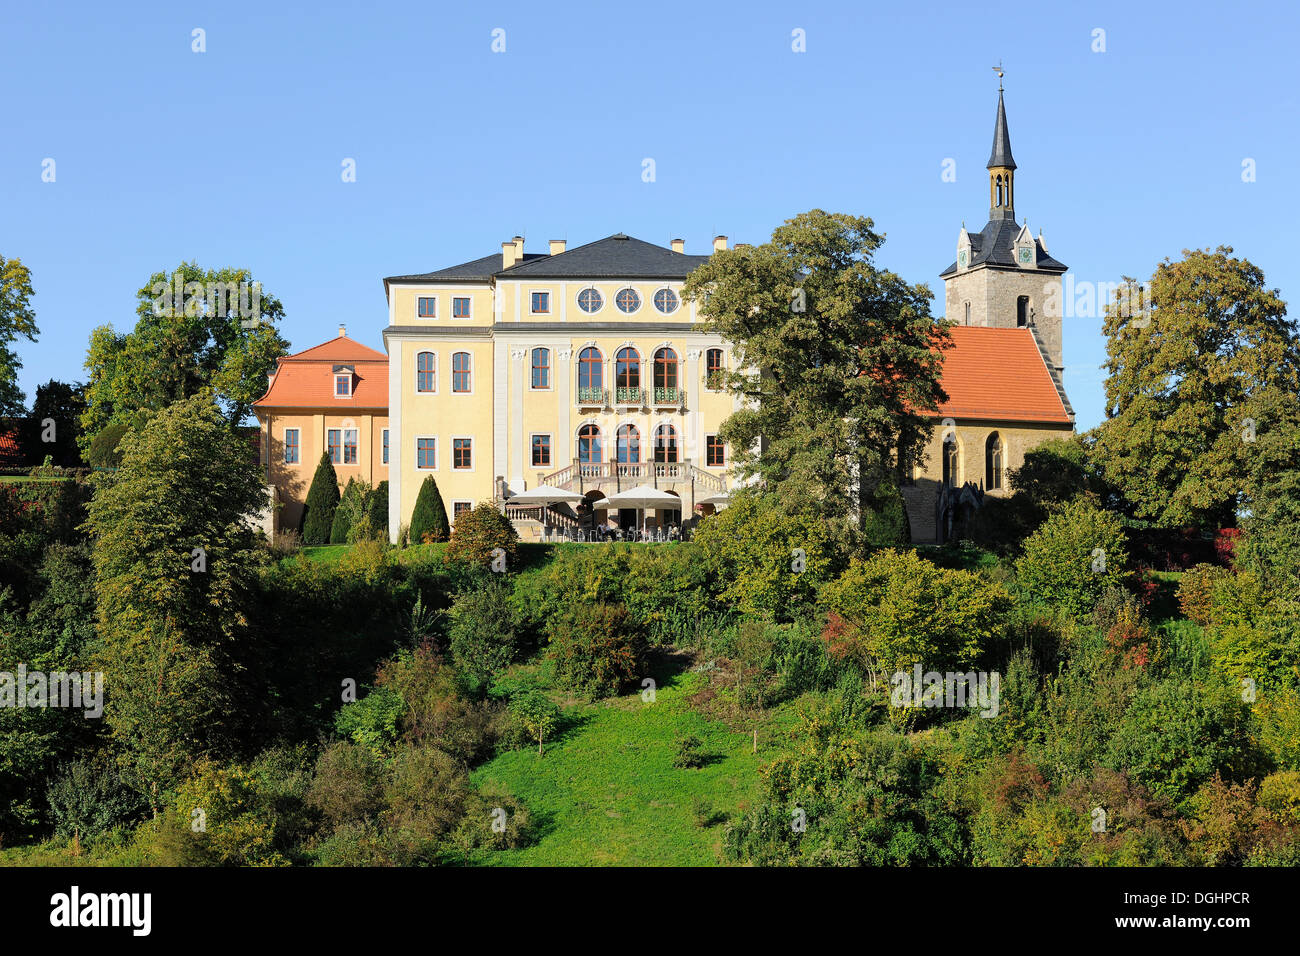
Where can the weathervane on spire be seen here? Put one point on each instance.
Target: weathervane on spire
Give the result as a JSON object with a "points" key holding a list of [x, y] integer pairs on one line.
{"points": [[999, 71]]}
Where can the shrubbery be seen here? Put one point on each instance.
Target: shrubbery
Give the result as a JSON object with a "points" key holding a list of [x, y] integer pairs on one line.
{"points": [[597, 648], [1077, 553], [479, 532]]}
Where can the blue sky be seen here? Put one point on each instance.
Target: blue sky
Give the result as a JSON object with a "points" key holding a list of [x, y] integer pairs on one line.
{"points": [[233, 156]]}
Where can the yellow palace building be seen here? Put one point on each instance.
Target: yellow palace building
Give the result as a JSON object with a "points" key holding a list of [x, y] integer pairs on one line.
{"points": [[577, 368]]}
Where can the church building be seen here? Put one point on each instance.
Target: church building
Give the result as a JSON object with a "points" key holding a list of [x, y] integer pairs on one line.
{"points": [[1003, 375]]}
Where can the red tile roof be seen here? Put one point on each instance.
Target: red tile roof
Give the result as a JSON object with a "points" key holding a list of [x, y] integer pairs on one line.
{"points": [[999, 374], [10, 453], [306, 380]]}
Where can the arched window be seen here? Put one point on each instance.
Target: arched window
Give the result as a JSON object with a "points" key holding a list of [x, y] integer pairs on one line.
{"points": [[629, 445], [993, 463], [541, 368], [627, 369], [589, 444], [591, 368], [666, 444], [968, 313], [460, 367], [425, 365], [1022, 310], [665, 370], [999, 183], [950, 462]]}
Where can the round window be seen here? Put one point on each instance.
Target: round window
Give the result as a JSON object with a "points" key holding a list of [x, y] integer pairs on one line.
{"points": [[628, 300], [666, 301], [589, 300]]}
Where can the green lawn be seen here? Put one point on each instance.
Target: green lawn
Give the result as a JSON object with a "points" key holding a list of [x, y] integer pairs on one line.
{"points": [[606, 791], [18, 478], [325, 553]]}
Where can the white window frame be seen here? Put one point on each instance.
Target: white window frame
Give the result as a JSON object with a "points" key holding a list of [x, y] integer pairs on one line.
{"points": [[460, 501], [419, 438], [343, 449], [297, 446], [473, 454], [551, 448], [550, 369], [340, 445], [434, 298], [451, 370], [384, 448], [675, 293], [462, 318], [549, 300], [337, 377], [434, 390]]}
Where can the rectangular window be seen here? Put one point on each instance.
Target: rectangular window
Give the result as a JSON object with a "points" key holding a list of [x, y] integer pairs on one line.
{"points": [[541, 451], [385, 446], [350, 446], [541, 368], [460, 307], [458, 508], [333, 442], [426, 453], [462, 453], [291, 446], [342, 386], [715, 453], [428, 307], [541, 303]]}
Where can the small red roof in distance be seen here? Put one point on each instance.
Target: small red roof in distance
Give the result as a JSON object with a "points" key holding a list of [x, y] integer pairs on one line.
{"points": [[306, 380], [10, 454], [999, 374]]}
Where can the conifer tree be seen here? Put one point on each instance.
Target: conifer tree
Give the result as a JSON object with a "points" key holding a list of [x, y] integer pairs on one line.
{"points": [[322, 500], [430, 515]]}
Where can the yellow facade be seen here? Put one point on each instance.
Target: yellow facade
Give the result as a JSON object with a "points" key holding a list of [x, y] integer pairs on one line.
{"points": [[503, 410], [292, 479]]}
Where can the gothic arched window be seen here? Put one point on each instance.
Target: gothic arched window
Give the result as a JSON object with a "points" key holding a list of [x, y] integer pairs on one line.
{"points": [[950, 461], [993, 462]]}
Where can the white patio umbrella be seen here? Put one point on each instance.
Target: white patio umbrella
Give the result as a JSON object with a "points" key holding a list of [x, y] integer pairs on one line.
{"points": [[720, 500], [642, 497], [544, 495]]}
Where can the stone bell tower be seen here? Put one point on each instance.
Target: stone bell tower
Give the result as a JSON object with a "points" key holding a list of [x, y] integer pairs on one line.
{"points": [[1003, 276]]}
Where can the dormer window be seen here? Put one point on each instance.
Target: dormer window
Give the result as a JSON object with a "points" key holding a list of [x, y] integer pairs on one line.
{"points": [[342, 381]]}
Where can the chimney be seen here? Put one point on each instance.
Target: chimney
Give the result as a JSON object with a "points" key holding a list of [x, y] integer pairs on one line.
{"points": [[557, 246], [508, 257], [343, 330], [679, 245], [519, 248], [719, 243]]}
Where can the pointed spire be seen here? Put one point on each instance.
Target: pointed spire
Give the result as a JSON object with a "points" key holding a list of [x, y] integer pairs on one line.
{"points": [[1001, 140]]}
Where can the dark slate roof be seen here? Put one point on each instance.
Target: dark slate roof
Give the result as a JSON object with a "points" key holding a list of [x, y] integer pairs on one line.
{"points": [[477, 270], [615, 257], [1001, 155], [995, 245]]}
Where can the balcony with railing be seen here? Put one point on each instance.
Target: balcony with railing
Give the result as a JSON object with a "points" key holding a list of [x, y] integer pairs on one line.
{"points": [[668, 395], [591, 397], [629, 396]]}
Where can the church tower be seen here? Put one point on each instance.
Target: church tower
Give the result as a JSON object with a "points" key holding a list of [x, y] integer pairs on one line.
{"points": [[1003, 276]]}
